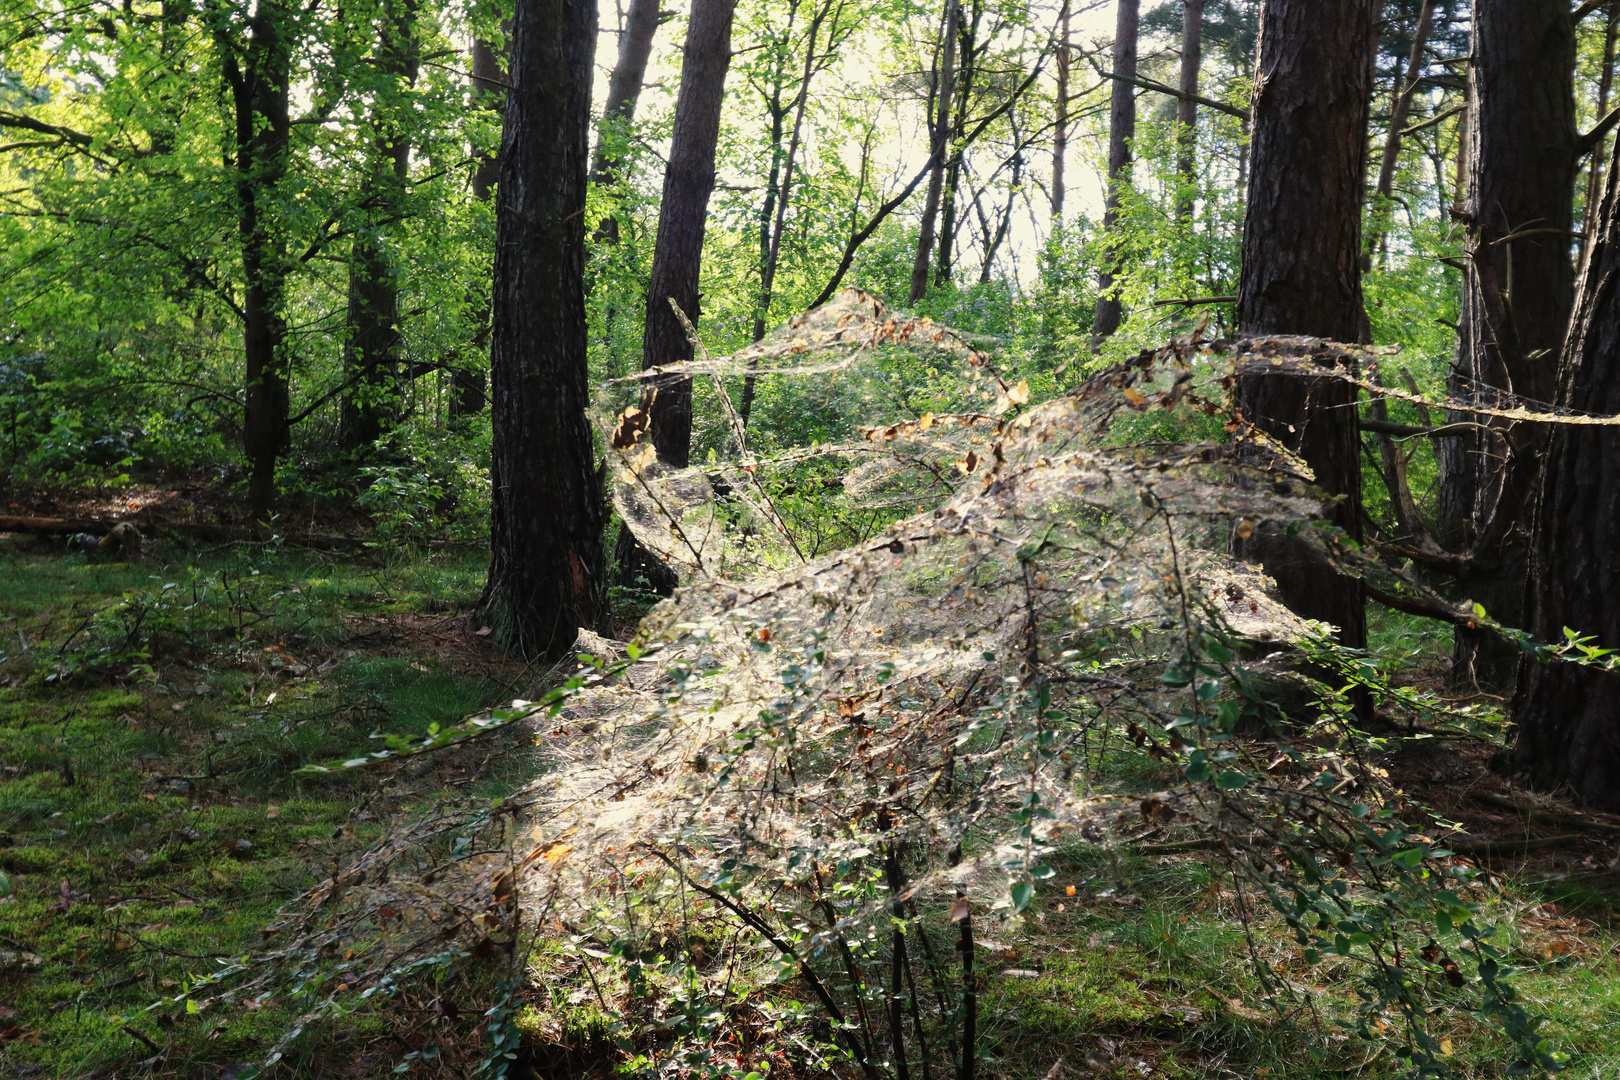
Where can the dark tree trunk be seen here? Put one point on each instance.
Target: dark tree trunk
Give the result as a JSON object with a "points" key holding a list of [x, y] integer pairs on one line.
{"points": [[1568, 725], [258, 83], [468, 385], [1060, 125], [1121, 131], [1192, 60], [682, 218], [967, 68], [624, 90], [1516, 297], [944, 84], [1302, 270], [371, 342], [546, 574]]}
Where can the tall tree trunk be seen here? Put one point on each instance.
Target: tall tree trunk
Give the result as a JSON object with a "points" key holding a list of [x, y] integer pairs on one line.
{"points": [[258, 83], [624, 90], [468, 386], [1192, 60], [682, 218], [1121, 132], [1060, 125], [967, 69], [1594, 180], [1516, 296], [1400, 105], [546, 574], [1302, 271], [1568, 730], [773, 219], [371, 340], [944, 84]]}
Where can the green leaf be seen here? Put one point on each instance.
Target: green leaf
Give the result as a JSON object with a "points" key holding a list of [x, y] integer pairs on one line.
{"points": [[1231, 780], [1022, 893]]}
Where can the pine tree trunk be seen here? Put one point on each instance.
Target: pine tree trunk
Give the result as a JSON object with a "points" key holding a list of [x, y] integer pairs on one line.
{"points": [[1121, 132], [546, 575], [1568, 727], [682, 218], [945, 83], [1301, 267], [1192, 60], [263, 129], [372, 333], [1516, 296]]}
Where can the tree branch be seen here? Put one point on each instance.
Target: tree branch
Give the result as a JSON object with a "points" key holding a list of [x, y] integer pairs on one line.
{"points": [[1161, 88], [1388, 427], [1586, 9], [1433, 120], [1586, 143]]}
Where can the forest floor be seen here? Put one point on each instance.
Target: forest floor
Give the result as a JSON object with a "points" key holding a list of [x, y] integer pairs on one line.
{"points": [[151, 826]]}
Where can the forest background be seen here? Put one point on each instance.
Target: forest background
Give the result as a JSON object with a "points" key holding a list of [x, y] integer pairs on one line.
{"points": [[245, 264]]}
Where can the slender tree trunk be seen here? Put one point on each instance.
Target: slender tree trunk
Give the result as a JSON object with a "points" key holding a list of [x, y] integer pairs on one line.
{"points": [[967, 69], [468, 387], [1192, 61], [546, 574], [1568, 730], [944, 84], [682, 217], [1594, 180], [1400, 105], [1516, 298], [1060, 126], [774, 221], [371, 343], [1302, 270], [262, 141], [624, 90], [1121, 132]]}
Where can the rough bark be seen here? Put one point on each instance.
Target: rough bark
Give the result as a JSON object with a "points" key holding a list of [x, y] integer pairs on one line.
{"points": [[624, 90], [371, 340], [944, 85], [1192, 59], [1121, 132], [1516, 297], [1060, 125], [1568, 729], [1301, 267], [546, 575], [682, 218], [258, 83]]}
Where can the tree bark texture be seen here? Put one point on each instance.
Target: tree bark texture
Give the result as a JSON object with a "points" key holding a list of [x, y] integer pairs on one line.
{"points": [[682, 218], [1192, 60], [1121, 132], [371, 343], [624, 90], [1568, 724], [258, 83], [546, 575], [1516, 301], [1302, 271], [944, 85]]}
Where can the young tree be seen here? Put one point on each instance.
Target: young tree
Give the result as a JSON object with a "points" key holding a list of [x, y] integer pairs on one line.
{"points": [[682, 219], [943, 88], [1567, 731], [1192, 61], [469, 391], [1517, 292], [1060, 122], [371, 340], [1302, 271], [624, 90], [546, 574], [1121, 131]]}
